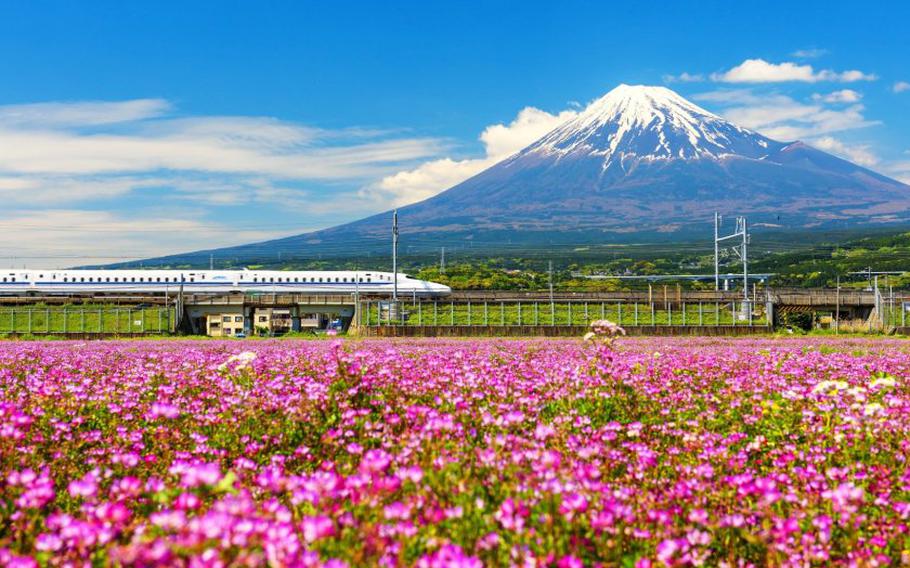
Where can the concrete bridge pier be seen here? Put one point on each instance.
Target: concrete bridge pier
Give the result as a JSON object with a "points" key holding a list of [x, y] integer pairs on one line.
{"points": [[295, 318]]}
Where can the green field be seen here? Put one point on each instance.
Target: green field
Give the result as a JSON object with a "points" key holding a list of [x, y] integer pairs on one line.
{"points": [[39, 320], [558, 313]]}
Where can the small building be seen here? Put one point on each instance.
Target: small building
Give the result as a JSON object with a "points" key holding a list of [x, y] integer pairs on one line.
{"points": [[272, 321], [224, 325]]}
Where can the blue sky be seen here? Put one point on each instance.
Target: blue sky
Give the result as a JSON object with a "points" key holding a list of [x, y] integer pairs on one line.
{"points": [[136, 129]]}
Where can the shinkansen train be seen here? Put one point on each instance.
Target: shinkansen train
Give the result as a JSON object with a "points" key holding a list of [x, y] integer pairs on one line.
{"points": [[213, 281]]}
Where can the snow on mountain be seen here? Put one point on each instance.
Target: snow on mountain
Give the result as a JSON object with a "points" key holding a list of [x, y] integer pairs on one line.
{"points": [[650, 123], [638, 163]]}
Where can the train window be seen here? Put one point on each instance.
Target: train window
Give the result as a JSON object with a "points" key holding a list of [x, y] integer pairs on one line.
{"points": [[272, 279], [65, 279], [192, 279], [255, 279], [82, 279]]}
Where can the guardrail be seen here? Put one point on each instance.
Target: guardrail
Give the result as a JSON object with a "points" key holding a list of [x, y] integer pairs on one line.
{"points": [[503, 313], [89, 321]]}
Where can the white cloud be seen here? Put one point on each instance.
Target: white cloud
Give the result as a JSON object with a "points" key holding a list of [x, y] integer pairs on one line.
{"points": [[761, 71], [901, 86], [83, 139], [842, 96], [50, 238], [91, 113], [207, 149], [858, 154], [499, 140], [684, 78], [60, 154], [55, 190], [899, 170], [811, 53], [783, 118]]}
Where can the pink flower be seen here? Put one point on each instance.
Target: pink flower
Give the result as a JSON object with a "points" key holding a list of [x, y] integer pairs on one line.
{"points": [[197, 473], [511, 515], [666, 550], [85, 487], [317, 527], [375, 461], [572, 503], [163, 410], [396, 511], [47, 542], [449, 556]]}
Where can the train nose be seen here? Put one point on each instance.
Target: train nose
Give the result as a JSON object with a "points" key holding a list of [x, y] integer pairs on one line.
{"points": [[441, 289]]}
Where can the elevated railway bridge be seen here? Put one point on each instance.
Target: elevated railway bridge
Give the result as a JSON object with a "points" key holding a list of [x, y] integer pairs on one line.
{"points": [[463, 312]]}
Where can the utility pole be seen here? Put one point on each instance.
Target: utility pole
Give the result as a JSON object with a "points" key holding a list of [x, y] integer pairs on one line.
{"points": [[878, 303], [716, 252], [550, 280], [395, 256], [742, 231], [358, 317], [837, 309], [442, 260], [745, 260], [179, 314], [211, 262]]}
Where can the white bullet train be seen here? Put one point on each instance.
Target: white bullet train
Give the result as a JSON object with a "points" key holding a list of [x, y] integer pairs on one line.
{"points": [[334, 282]]}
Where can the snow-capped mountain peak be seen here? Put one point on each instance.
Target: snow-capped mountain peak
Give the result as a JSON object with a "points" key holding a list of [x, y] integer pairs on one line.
{"points": [[637, 121], [639, 162]]}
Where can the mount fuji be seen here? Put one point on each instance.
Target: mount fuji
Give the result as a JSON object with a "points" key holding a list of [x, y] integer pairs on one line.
{"points": [[639, 163]]}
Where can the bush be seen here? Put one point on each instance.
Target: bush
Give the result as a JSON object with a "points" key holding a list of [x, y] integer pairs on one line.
{"points": [[802, 320]]}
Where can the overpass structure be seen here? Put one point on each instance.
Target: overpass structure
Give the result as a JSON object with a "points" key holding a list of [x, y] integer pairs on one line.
{"points": [[659, 306]]}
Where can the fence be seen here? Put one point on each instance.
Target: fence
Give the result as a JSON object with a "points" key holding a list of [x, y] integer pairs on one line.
{"points": [[892, 310], [85, 320], [559, 313]]}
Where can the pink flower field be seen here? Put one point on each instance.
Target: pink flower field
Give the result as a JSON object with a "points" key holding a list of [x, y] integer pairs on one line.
{"points": [[648, 452]]}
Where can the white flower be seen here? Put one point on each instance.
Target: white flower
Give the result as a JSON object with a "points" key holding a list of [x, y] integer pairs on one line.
{"points": [[589, 336], [859, 393], [829, 386], [607, 328], [243, 361], [886, 381], [872, 409]]}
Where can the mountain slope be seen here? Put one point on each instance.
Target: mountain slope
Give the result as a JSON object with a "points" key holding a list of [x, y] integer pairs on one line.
{"points": [[638, 162]]}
